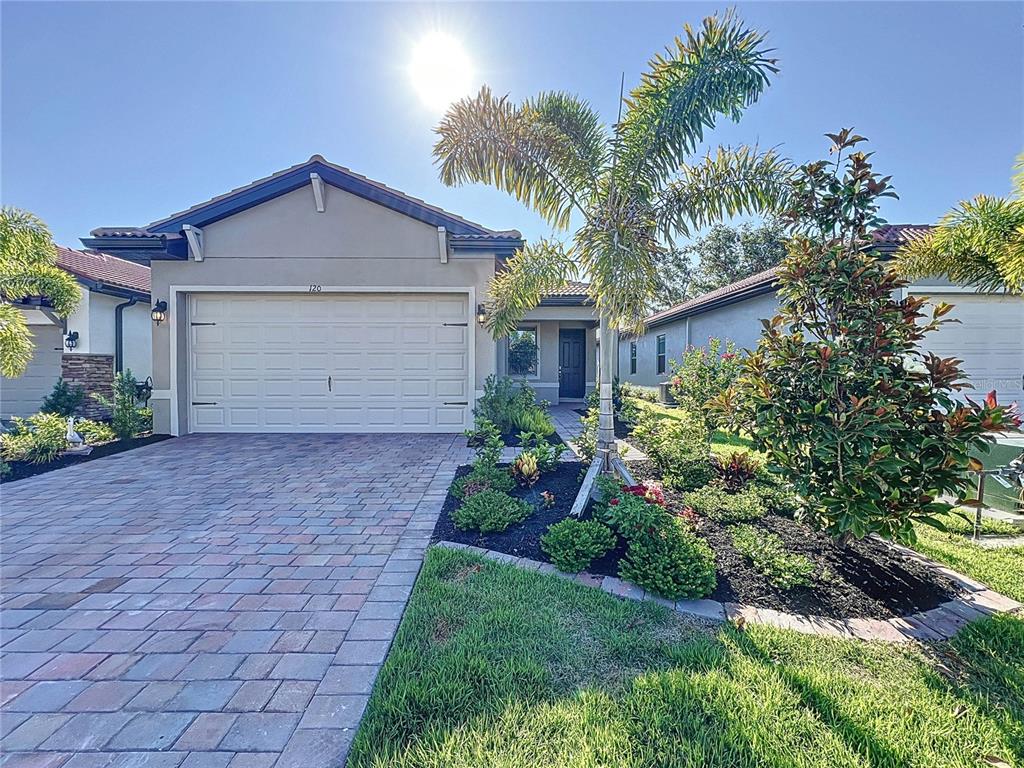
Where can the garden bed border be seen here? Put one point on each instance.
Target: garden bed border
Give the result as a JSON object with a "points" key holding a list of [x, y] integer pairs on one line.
{"points": [[978, 601]]}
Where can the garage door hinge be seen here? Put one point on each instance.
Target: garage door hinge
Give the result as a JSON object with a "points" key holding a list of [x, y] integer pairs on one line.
{"points": [[463, 325], [195, 403], [202, 323], [460, 402]]}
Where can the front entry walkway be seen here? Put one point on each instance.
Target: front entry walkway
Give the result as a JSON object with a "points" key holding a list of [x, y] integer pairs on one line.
{"points": [[210, 601]]}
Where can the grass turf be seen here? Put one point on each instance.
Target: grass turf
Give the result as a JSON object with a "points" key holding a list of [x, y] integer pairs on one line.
{"points": [[496, 667], [721, 441], [1000, 568]]}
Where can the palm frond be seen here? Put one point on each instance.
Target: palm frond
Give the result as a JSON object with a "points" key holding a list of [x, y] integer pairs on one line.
{"points": [[979, 243], [619, 252], [18, 280], [728, 183], [16, 343], [573, 131], [535, 270], [719, 71], [528, 152]]}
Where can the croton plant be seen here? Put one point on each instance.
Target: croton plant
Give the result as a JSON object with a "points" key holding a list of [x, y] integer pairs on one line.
{"points": [[839, 393]]}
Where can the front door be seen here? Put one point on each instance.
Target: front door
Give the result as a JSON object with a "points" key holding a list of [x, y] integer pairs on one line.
{"points": [[572, 362]]}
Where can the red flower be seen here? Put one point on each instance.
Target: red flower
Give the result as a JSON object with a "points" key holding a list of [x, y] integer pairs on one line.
{"points": [[613, 503], [728, 355]]}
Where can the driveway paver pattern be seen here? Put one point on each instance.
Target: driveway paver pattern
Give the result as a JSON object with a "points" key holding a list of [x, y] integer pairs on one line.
{"points": [[214, 600]]}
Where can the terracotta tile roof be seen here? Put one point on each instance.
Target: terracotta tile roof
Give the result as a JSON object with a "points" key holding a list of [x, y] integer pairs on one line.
{"points": [[104, 268], [888, 238], [572, 288]]}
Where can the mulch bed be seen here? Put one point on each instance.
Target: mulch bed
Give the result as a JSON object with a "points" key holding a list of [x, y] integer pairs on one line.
{"points": [[511, 439], [521, 540], [22, 469], [866, 579]]}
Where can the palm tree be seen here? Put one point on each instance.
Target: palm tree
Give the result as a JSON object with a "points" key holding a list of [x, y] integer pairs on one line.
{"points": [[629, 190], [980, 243], [28, 268]]}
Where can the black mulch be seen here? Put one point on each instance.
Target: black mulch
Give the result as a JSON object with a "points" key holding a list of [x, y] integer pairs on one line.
{"points": [[511, 439], [22, 469], [521, 540], [866, 578]]}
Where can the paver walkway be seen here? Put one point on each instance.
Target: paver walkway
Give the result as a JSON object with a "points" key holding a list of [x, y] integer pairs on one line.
{"points": [[210, 601]]}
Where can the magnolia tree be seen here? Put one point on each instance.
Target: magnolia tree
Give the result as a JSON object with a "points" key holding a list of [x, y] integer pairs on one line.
{"points": [[839, 393]]}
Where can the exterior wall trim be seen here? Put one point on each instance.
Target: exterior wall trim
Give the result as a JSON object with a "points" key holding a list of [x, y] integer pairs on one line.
{"points": [[185, 290]]}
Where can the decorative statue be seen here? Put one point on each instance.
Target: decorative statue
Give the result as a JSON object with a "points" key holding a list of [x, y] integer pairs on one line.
{"points": [[74, 439]]}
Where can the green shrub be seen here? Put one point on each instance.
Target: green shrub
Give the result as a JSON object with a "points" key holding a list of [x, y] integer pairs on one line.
{"points": [[777, 497], [631, 516], [482, 477], [546, 454], [586, 441], [485, 437], [502, 400], [533, 419], [735, 470], [490, 511], [37, 439], [94, 432], [574, 544], [671, 562], [628, 390], [713, 502], [126, 418], [5, 469], [768, 555], [679, 447], [64, 400]]}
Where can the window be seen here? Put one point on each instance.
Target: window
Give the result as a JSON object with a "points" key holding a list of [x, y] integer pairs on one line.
{"points": [[632, 357], [661, 353], [522, 352]]}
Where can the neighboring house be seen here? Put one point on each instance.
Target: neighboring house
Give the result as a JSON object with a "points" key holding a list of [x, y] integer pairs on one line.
{"points": [[317, 300], [989, 338], [108, 332]]}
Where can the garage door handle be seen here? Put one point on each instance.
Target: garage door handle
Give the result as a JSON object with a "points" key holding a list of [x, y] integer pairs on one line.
{"points": [[460, 402], [329, 384], [195, 403]]}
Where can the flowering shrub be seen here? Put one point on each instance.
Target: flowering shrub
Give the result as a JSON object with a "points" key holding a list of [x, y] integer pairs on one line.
{"points": [[869, 443], [652, 494], [702, 374]]}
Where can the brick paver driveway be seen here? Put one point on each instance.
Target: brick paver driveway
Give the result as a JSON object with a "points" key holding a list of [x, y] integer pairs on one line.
{"points": [[212, 600]]}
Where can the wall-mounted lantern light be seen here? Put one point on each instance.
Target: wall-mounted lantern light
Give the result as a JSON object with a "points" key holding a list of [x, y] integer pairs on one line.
{"points": [[159, 313], [481, 314], [71, 340]]}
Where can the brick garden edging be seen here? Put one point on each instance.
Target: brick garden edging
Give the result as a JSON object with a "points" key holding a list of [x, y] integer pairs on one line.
{"points": [[978, 601]]}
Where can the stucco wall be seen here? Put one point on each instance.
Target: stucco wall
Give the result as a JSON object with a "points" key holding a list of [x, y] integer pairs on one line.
{"points": [[739, 323], [285, 242], [94, 321]]}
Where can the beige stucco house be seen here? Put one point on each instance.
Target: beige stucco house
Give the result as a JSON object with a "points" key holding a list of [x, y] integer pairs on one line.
{"points": [[317, 300]]}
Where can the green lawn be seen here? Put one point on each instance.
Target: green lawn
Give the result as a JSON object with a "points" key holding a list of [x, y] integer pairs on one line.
{"points": [[497, 667], [1001, 569]]}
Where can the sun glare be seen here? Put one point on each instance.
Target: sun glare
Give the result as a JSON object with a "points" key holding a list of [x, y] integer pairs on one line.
{"points": [[441, 70]]}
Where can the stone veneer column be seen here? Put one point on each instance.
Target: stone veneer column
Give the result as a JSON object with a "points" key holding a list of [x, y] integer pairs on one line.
{"points": [[95, 373]]}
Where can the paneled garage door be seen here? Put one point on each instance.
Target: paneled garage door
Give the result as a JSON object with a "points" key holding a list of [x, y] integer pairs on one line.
{"points": [[989, 339], [329, 363]]}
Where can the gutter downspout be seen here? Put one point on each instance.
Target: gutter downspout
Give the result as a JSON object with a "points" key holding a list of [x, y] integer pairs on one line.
{"points": [[119, 333]]}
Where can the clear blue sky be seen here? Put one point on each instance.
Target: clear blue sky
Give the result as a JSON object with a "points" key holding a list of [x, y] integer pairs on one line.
{"points": [[122, 113]]}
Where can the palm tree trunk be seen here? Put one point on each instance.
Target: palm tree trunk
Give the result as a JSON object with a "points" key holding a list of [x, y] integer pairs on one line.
{"points": [[606, 420]]}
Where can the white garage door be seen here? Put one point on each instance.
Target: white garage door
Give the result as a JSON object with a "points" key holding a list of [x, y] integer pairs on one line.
{"points": [[989, 339], [23, 396], [329, 363]]}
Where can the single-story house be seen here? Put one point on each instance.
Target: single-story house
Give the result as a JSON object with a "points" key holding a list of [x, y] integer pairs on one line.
{"points": [[989, 338], [109, 331], [318, 300]]}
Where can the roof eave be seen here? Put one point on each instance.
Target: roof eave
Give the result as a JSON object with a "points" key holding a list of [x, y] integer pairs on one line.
{"points": [[717, 303]]}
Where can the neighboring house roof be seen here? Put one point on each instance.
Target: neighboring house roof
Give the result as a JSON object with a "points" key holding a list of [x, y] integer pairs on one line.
{"points": [[101, 270], [162, 239], [884, 239]]}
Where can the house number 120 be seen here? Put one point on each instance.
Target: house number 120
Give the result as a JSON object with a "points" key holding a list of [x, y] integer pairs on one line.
{"points": [[315, 288]]}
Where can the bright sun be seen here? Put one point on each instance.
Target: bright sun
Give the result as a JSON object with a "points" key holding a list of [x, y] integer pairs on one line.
{"points": [[440, 69]]}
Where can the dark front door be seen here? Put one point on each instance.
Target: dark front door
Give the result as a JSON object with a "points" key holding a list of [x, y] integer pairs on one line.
{"points": [[572, 362]]}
